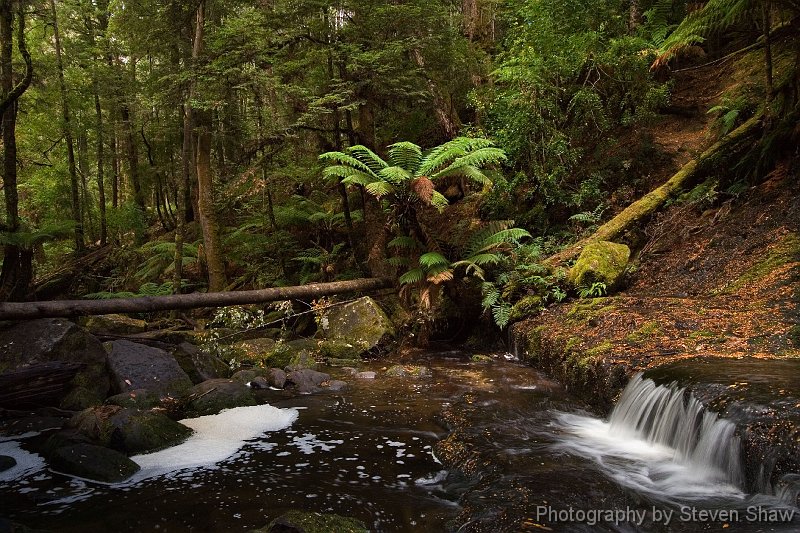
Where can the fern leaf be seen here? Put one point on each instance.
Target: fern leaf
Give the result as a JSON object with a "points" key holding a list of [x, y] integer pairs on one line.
{"points": [[368, 158], [395, 175], [412, 276], [378, 189], [402, 242], [347, 160], [433, 259], [406, 155]]}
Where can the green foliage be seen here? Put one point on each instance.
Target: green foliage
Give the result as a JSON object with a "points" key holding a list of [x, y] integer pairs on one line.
{"points": [[595, 290], [146, 289]]}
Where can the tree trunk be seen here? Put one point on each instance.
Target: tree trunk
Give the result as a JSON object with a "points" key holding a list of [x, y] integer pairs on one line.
{"points": [[132, 153], [17, 270], [634, 17], [98, 113], [187, 158], [149, 304], [447, 120], [67, 127], [728, 148], [205, 202]]}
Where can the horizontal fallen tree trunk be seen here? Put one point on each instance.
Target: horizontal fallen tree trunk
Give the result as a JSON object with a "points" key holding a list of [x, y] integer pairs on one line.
{"points": [[641, 210], [37, 385], [147, 304]]}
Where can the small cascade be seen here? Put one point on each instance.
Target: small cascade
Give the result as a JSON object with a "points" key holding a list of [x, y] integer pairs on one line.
{"points": [[660, 441], [671, 417]]}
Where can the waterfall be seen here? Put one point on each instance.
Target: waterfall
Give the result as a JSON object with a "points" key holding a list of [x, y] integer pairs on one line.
{"points": [[671, 417], [660, 441]]}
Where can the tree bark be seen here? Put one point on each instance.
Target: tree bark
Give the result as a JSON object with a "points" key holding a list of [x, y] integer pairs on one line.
{"points": [[148, 304], [17, 269], [98, 113], [208, 217], [67, 127]]}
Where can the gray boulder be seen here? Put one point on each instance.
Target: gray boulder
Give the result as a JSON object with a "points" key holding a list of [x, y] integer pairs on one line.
{"points": [[276, 378], [54, 339], [212, 396], [7, 463], [115, 324], [93, 462], [136, 366], [306, 380]]}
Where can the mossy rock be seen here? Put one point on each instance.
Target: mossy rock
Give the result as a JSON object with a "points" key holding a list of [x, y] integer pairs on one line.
{"points": [[198, 364], [338, 350], [526, 306], [135, 399], [214, 395], [363, 324], [115, 324], [93, 462], [131, 431], [408, 371], [600, 262], [481, 358], [303, 522]]}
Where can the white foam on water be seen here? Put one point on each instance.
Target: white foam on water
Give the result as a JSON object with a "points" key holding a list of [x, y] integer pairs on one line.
{"points": [[215, 438], [27, 463]]}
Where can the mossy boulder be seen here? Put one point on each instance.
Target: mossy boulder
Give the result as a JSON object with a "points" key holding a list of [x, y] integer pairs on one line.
{"points": [[198, 364], [408, 371], [130, 431], [115, 324], [303, 522], [135, 399], [362, 324], [212, 396], [93, 462], [600, 262]]}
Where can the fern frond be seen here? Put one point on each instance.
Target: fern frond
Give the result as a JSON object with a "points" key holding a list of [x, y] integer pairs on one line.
{"points": [[406, 155], [433, 259], [402, 242], [378, 189], [342, 159], [395, 175], [412, 276], [478, 158], [369, 158]]}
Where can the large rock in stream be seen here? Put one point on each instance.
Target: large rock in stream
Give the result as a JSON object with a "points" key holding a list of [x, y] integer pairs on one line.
{"points": [[361, 324], [46, 340], [212, 396], [136, 366], [130, 431], [93, 462]]}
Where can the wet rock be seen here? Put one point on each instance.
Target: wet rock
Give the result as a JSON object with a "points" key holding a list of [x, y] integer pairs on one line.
{"points": [[258, 383], [306, 380], [336, 385], [303, 522], [93, 462], [7, 463], [198, 364], [276, 378], [361, 324], [135, 399], [136, 366], [248, 375], [366, 375], [115, 324], [130, 431], [212, 396], [600, 261], [54, 339], [300, 361], [408, 371]]}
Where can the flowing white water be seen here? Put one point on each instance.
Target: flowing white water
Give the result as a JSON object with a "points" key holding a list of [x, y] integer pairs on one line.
{"points": [[662, 442]]}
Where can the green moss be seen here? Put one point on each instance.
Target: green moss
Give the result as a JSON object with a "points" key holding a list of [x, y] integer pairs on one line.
{"points": [[572, 342], [786, 251], [702, 334], [480, 358], [528, 305], [600, 349], [794, 335], [314, 523], [338, 350], [648, 329], [600, 261]]}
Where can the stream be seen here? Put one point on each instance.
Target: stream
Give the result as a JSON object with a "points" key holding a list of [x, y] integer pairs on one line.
{"points": [[475, 447]]}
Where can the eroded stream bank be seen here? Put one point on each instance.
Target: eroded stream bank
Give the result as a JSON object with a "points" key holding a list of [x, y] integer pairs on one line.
{"points": [[473, 447]]}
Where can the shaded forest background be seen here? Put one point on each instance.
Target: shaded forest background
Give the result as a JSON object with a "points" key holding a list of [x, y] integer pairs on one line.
{"points": [[176, 144]]}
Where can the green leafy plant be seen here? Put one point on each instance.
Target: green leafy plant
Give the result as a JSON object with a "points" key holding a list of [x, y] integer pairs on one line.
{"points": [[595, 290]]}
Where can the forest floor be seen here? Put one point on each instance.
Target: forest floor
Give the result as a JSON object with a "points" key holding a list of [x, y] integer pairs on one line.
{"points": [[719, 275]]}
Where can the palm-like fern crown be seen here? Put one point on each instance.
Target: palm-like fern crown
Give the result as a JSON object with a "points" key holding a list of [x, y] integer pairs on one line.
{"points": [[409, 171], [716, 16]]}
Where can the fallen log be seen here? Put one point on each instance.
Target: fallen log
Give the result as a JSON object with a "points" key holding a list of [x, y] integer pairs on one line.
{"points": [[639, 211], [148, 304]]}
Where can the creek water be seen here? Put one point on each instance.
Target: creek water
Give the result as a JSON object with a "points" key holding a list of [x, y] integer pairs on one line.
{"points": [[474, 447]]}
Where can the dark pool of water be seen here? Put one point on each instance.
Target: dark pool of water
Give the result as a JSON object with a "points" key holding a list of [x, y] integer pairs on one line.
{"points": [[375, 452]]}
